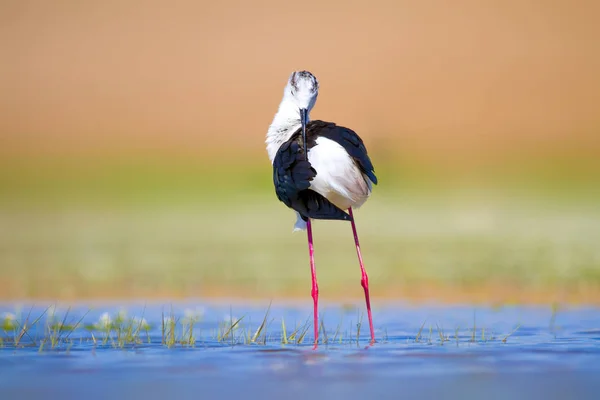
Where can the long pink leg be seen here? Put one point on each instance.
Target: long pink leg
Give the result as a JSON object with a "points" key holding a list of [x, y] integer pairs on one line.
{"points": [[315, 286], [364, 281]]}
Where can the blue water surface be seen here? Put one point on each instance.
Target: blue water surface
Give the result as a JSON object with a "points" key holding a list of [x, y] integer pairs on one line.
{"points": [[432, 351]]}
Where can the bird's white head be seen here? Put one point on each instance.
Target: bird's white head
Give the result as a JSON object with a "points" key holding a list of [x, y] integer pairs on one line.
{"points": [[299, 97], [302, 90]]}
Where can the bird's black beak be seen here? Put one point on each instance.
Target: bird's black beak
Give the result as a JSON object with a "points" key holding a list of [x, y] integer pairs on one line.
{"points": [[303, 118]]}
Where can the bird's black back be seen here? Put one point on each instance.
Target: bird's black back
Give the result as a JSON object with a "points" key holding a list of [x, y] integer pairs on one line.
{"points": [[292, 173]]}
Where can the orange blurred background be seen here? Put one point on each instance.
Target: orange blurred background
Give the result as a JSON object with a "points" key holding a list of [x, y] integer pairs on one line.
{"points": [[445, 82]]}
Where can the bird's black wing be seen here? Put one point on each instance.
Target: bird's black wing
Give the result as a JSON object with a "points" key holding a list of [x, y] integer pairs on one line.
{"points": [[292, 175], [349, 140]]}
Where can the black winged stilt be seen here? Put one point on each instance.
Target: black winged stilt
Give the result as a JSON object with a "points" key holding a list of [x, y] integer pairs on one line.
{"points": [[320, 169]]}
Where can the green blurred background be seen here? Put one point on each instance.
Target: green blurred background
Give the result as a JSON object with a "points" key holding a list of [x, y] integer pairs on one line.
{"points": [[133, 165]]}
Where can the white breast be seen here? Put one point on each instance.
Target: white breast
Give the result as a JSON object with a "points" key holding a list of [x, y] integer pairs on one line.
{"points": [[338, 177]]}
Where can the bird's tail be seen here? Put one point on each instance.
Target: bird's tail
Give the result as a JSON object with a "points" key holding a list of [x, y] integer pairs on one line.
{"points": [[318, 207]]}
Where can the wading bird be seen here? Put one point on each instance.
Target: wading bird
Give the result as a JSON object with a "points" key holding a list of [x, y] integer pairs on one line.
{"points": [[320, 169]]}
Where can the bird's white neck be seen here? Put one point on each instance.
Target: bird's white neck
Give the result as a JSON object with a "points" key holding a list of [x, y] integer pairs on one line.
{"points": [[285, 123]]}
